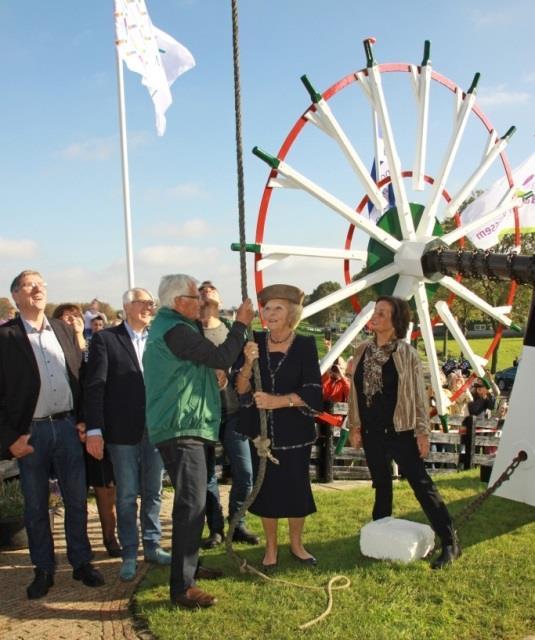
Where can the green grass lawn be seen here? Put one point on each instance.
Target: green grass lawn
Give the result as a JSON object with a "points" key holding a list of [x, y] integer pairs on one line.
{"points": [[487, 594]]}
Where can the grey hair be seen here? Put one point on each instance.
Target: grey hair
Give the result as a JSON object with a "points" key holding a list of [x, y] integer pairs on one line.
{"points": [[174, 285], [15, 285], [130, 294], [295, 312]]}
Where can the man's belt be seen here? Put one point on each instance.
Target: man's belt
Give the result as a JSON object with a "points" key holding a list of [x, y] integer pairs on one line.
{"points": [[55, 416]]}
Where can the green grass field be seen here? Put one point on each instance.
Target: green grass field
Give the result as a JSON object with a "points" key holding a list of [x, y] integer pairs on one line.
{"points": [[488, 594]]}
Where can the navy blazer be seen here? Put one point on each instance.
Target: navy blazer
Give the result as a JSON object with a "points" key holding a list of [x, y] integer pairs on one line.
{"points": [[20, 382], [114, 391]]}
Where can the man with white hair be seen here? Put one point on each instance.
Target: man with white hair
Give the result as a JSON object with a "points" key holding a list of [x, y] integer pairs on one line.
{"points": [[183, 413], [115, 415]]}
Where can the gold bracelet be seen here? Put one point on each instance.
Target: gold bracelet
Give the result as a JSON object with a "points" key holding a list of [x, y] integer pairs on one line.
{"points": [[290, 401]]}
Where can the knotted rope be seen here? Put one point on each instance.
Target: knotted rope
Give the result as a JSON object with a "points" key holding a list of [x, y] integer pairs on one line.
{"points": [[261, 442]]}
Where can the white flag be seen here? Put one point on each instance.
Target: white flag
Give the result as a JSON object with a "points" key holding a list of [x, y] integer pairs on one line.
{"points": [[493, 231], [176, 59], [139, 44]]}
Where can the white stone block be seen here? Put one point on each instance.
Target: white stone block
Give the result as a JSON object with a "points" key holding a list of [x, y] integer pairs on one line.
{"points": [[396, 539]]}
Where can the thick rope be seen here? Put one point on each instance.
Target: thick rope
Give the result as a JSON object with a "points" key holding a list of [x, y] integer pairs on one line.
{"points": [[243, 273], [261, 442]]}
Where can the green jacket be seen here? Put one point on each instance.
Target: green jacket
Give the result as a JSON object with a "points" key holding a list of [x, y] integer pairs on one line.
{"points": [[182, 396]]}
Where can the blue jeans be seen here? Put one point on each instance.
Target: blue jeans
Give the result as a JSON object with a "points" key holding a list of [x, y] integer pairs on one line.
{"points": [[138, 470], [236, 449], [56, 443]]}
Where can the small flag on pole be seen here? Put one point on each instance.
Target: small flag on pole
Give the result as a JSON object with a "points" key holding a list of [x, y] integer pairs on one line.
{"points": [[152, 53], [378, 174]]}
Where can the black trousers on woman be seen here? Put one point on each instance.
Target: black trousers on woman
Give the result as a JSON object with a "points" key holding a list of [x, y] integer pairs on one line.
{"points": [[381, 446]]}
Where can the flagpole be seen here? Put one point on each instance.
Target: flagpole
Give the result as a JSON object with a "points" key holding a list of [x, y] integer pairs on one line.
{"points": [[125, 173]]}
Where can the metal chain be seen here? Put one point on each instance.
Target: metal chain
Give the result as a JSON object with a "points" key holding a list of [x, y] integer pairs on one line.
{"points": [[470, 509]]}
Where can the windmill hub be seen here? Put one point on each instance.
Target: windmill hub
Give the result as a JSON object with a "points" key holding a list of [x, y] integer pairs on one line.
{"points": [[408, 258]]}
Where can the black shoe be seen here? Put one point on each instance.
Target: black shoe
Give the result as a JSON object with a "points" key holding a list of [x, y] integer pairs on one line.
{"points": [[113, 548], [40, 585], [309, 562], [90, 576], [270, 569], [242, 535], [449, 553], [213, 541]]}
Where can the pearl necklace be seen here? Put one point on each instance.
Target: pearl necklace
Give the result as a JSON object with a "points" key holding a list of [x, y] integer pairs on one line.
{"points": [[273, 341]]}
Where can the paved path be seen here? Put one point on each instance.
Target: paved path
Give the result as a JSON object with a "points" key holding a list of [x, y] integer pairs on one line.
{"points": [[70, 610]]}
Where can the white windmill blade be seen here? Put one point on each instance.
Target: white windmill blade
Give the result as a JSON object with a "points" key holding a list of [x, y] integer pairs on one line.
{"points": [[274, 253], [506, 204], [362, 283], [426, 329], [427, 220], [493, 136], [363, 84], [498, 313], [400, 193], [310, 187], [478, 173], [347, 337], [424, 83], [405, 287], [478, 363], [325, 120]]}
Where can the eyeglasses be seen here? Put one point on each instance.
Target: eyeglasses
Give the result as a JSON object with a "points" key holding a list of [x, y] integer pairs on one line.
{"points": [[30, 286], [150, 304], [191, 297]]}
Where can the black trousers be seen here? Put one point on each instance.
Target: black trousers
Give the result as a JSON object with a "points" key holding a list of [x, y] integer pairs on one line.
{"points": [[185, 462], [383, 446]]}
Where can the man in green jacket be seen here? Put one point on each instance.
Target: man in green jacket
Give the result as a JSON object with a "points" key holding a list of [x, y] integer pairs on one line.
{"points": [[183, 413]]}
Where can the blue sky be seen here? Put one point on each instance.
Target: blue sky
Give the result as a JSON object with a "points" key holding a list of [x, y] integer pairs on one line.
{"points": [[61, 180]]}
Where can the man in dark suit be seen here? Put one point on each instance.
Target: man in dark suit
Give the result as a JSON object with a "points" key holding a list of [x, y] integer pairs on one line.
{"points": [[40, 424], [115, 412]]}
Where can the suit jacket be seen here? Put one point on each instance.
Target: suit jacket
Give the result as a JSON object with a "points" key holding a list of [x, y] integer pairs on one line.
{"points": [[114, 388], [20, 382]]}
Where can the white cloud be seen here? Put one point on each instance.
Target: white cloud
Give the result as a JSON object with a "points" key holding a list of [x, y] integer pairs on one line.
{"points": [[529, 77], [92, 149], [488, 18], [499, 96], [102, 148], [194, 228], [186, 190], [17, 249], [177, 257]]}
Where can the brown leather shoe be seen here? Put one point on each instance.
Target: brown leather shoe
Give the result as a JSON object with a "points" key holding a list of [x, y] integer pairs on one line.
{"points": [[194, 598], [207, 573]]}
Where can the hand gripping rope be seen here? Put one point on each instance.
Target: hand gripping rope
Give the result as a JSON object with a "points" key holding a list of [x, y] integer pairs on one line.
{"points": [[261, 442]]}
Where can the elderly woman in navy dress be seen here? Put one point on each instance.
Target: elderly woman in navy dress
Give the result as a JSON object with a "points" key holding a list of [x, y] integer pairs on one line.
{"points": [[291, 395]]}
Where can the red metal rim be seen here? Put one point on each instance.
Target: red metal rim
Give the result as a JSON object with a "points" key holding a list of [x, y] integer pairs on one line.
{"points": [[302, 121]]}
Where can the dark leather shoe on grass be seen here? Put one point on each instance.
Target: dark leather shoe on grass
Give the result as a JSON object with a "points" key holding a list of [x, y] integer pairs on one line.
{"points": [[213, 541], [449, 553], [207, 573], [311, 561], [90, 576], [194, 598], [242, 535], [40, 585]]}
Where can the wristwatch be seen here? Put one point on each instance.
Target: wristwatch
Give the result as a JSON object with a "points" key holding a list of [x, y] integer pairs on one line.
{"points": [[290, 401]]}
